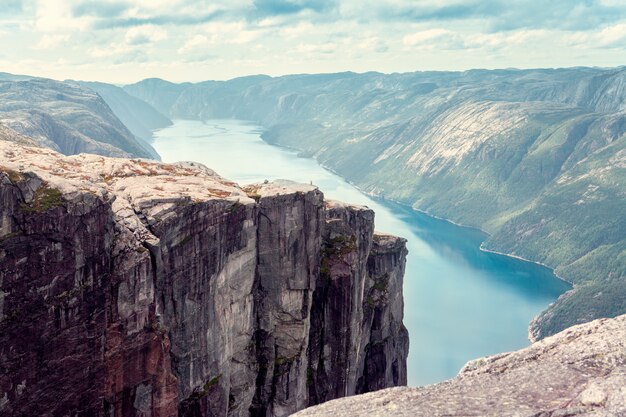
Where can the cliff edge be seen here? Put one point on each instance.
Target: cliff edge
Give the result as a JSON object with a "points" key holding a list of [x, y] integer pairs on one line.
{"points": [[137, 288], [578, 372]]}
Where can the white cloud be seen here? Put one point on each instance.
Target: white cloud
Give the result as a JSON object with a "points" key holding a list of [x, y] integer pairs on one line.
{"points": [[506, 39], [186, 35], [49, 41], [437, 38], [372, 44], [298, 30], [425, 36], [112, 50], [320, 48], [613, 35], [219, 33], [145, 34], [56, 16], [197, 42]]}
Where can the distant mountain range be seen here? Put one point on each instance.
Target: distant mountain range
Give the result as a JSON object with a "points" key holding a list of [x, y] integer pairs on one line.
{"points": [[73, 118], [537, 158]]}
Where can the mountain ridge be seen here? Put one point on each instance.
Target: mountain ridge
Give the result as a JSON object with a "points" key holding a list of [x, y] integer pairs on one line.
{"points": [[533, 157], [145, 288], [71, 118]]}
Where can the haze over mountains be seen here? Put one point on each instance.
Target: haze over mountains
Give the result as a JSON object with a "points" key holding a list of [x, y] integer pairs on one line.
{"points": [[535, 157], [71, 119]]}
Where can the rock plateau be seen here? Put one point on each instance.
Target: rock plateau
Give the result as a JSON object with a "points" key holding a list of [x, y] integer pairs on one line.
{"points": [[136, 288], [578, 372]]}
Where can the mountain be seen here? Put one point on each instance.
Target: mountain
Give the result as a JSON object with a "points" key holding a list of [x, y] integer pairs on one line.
{"points": [[137, 288], [536, 158], [66, 117], [579, 372], [5, 76], [137, 115]]}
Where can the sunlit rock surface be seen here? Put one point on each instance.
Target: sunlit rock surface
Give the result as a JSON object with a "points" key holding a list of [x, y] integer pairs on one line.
{"points": [[578, 372], [68, 118], [136, 288]]}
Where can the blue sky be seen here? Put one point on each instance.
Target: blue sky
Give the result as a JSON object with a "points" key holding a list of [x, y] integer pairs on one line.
{"points": [[124, 41]]}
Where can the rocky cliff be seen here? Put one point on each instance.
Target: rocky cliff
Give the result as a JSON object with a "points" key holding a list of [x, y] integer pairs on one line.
{"points": [[578, 372], [135, 288], [70, 118], [137, 115], [536, 158]]}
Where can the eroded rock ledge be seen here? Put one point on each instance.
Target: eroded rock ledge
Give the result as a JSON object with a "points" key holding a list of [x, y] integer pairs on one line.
{"points": [[135, 288], [578, 372]]}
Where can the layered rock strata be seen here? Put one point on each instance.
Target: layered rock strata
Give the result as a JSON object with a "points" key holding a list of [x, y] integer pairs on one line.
{"points": [[135, 288], [578, 372]]}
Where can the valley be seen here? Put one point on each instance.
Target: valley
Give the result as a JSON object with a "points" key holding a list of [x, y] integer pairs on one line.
{"points": [[460, 303]]}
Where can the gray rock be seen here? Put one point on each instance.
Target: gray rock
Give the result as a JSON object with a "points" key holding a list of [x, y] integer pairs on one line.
{"points": [[578, 372], [68, 118], [136, 288]]}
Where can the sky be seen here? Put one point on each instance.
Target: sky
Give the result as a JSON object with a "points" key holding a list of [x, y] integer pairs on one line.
{"points": [[123, 41]]}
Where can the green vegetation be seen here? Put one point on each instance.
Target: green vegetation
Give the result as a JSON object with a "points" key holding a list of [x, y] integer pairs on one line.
{"points": [[310, 376], [333, 251], [186, 240], [236, 206], [281, 360], [533, 157], [202, 392], [381, 283], [597, 299], [44, 199], [9, 236]]}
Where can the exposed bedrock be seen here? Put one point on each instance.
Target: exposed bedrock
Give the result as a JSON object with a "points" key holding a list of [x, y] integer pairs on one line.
{"points": [[578, 372], [135, 288]]}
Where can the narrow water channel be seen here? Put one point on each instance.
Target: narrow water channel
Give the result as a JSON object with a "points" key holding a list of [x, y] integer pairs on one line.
{"points": [[460, 303]]}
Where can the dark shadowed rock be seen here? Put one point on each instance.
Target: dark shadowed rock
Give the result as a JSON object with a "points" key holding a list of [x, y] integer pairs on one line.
{"points": [[578, 372], [67, 118], [135, 288]]}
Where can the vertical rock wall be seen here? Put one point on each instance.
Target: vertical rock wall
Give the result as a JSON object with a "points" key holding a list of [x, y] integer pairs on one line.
{"points": [[190, 298], [357, 340]]}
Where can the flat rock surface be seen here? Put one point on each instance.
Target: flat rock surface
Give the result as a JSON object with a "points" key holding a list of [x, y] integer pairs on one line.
{"points": [[578, 372], [149, 289], [139, 181]]}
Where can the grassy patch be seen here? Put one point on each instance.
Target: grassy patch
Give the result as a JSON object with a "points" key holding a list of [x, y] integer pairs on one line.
{"points": [[186, 240], [281, 360], [381, 283], [9, 236], [200, 393], [44, 199]]}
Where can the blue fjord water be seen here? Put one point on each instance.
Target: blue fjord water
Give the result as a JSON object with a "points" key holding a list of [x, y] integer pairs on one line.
{"points": [[460, 303]]}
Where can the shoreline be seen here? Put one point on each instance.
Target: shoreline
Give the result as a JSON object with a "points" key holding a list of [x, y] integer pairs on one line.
{"points": [[406, 205], [298, 153], [480, 247]]}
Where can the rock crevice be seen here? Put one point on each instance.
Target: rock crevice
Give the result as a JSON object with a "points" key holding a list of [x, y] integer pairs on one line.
{"points": [[135, 288]]}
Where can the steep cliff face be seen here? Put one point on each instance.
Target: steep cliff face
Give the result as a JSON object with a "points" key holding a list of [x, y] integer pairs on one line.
{"points": [[578, 372], [534, 157], [132, 288], [68, 118], [357, 340]]}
